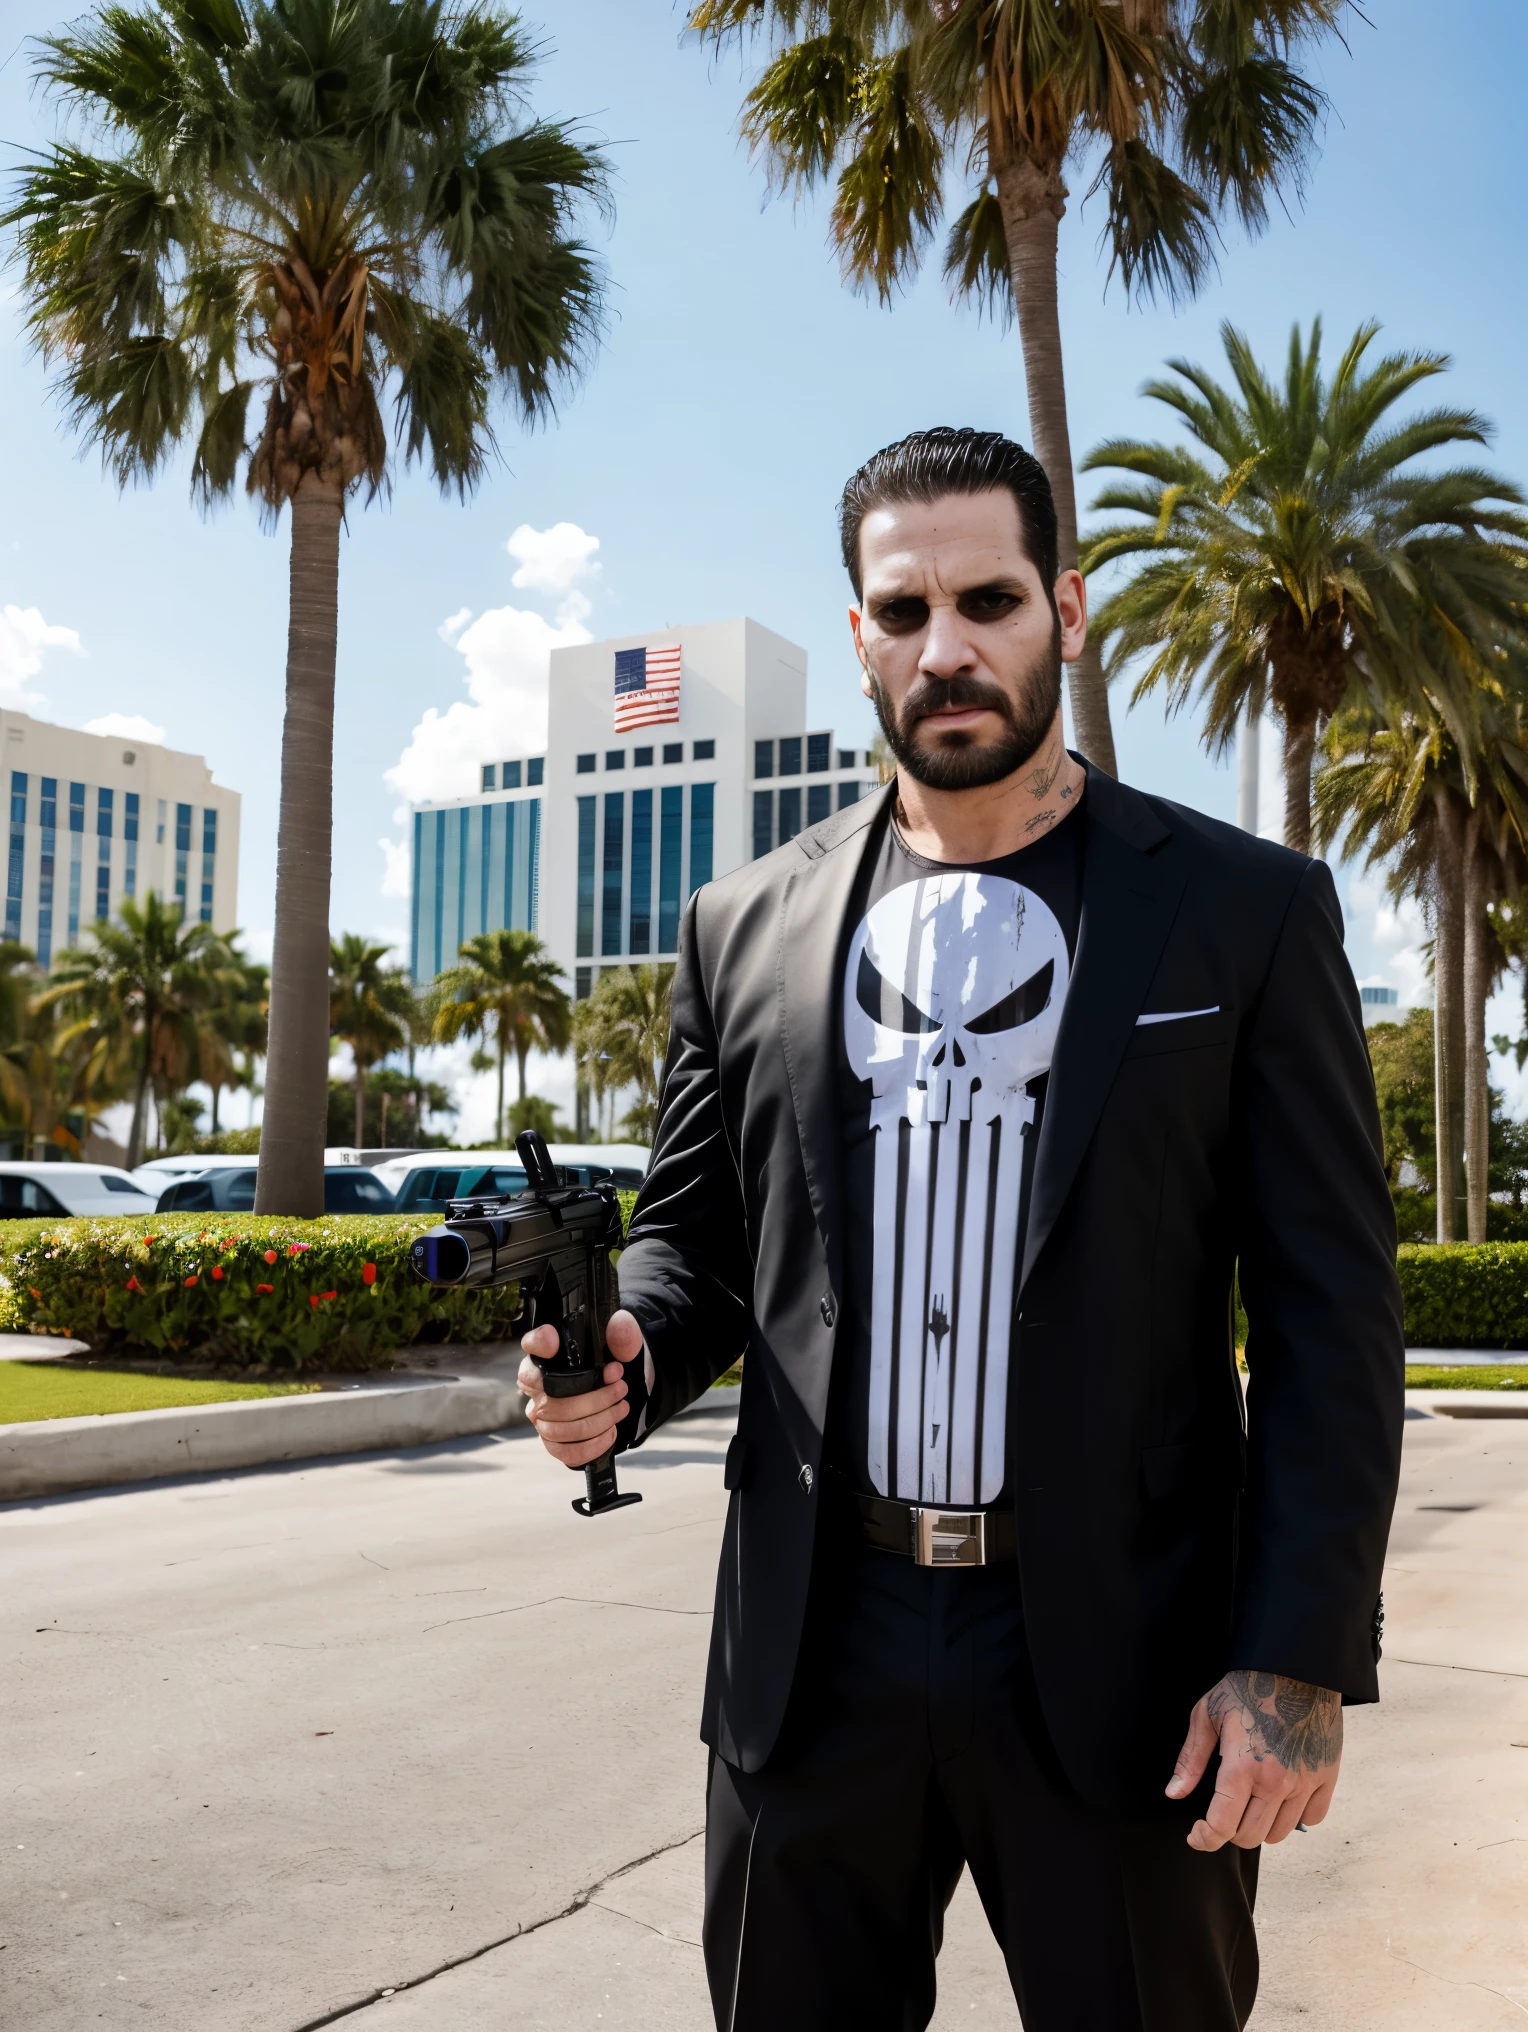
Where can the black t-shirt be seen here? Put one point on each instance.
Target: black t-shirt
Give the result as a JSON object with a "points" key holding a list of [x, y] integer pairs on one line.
{"points": [[952, 998]]}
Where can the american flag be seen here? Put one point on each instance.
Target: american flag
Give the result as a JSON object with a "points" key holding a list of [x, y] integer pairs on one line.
{"points": [[646, 687]]}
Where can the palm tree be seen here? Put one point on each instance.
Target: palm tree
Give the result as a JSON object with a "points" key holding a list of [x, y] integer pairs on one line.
{"points": [[620, 1038], [311, 204], [369, 1006], [1452, 821], [1282, 565], [240, 1026], [1184, 109], [143, 993], [506, 980]]}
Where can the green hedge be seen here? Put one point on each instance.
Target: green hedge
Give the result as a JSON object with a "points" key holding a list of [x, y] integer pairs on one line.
{"points": [[241, 1290], [1464, 1295]]}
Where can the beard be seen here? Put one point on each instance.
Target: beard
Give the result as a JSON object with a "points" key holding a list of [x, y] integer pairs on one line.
{"points": [[959, 760]]}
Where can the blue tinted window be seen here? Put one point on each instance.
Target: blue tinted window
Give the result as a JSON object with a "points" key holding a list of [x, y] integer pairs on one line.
{"points": [[585, 926], [790, 756], [819, 802], [641, 872], [763, 758], [130, 815], [704, 751], [615, 758], [848, 793], [673, 751], [614, 863], [183, 828], [763, 822], [76, 807], [670, 844], [511, 776], [104, 803], [585, 764], [816, 753], [490, 775], [790, 813], [209, 832], [534, 770], [702, 827]]}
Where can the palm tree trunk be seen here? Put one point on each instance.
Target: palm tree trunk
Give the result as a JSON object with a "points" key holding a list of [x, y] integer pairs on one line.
{"points": [[522, 1053], [1448, 1015], [1299, 752], [217, 1095], [360, 1105], [498, 1120], [1032, 201], [291, 1176], [1477, 986], [140, 1110]]}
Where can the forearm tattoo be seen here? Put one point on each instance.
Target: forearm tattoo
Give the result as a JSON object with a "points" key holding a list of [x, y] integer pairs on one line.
{"points": [[1300, 1726]]}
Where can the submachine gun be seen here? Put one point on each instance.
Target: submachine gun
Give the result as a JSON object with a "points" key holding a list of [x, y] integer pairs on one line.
{"points": [[554, 1240]]}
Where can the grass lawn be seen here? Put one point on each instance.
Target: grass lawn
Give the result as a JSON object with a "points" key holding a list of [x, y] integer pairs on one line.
{"points": [[1490, 1376], [31, 1390]]}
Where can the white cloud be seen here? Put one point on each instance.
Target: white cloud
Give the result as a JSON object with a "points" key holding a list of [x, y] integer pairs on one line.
{"points": [[25, 639], [453, 625], [395, 876], [552, 560], [130, 726]]}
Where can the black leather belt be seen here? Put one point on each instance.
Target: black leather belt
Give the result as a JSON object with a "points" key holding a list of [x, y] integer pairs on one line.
{"points": [[937, 1537]]}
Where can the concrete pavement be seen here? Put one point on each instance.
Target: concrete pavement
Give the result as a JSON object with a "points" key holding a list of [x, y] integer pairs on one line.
{"points": [[279, 1742]]}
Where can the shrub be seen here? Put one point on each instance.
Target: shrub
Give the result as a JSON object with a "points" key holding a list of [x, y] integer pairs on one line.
{"points": [[1465, 1295], [246, 1290], [243, 1289]]}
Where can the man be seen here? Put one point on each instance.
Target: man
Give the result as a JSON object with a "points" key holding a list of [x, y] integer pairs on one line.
{"points": [[977, 1097]]}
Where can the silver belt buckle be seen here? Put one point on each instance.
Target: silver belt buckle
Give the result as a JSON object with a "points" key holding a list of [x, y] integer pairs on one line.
{"points": [[950, 1537]]}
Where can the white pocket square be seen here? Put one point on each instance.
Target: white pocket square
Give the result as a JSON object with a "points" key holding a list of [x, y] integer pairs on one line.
{"points": [[1176, 1015]]}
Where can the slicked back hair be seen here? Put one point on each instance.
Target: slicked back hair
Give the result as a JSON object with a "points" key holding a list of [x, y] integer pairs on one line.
{"points": [[932, 463]]}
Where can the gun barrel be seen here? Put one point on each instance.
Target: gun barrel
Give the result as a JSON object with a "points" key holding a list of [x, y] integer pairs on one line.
{"points": [[512, 1239]]}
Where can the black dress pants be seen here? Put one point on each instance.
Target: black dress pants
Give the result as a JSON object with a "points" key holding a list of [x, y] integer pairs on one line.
{"points": [[912, 1747]]}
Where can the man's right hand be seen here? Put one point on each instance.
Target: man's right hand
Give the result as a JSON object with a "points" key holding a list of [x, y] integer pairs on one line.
{"points": [[577, 1430]]}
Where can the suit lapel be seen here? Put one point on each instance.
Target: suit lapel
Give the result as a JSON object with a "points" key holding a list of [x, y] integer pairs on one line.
{"points": [[814, 935], [1130, 896]]}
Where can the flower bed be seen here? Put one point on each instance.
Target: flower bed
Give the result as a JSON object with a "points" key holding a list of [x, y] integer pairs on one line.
{"points": [[247, 1290], [241, 1290]]}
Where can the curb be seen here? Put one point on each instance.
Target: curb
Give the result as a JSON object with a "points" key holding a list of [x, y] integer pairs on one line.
{"points": [[53, 1456]]}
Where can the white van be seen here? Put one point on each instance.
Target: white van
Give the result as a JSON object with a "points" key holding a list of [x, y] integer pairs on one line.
{"points": [[30, 1190]]}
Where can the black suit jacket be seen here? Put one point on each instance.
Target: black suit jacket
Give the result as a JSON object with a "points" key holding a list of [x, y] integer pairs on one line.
{"points": [[1162, 1537]]}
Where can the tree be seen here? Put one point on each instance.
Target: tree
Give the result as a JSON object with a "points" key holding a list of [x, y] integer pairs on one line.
{"points": [[508, 984], [534, 1113], [620, 1036], [240, 1024], [369, 1007], [1184, 108], [307, 205], [1451, 817], [143, 993], [1283, 567], [51, 1075], [1401, 1055]]}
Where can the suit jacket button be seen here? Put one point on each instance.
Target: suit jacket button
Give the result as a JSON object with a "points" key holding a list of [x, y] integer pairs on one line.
{"points": [[805, 1478], [828, 1314]]}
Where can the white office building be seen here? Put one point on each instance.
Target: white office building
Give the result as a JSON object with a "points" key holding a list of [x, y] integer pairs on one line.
{"points": [[671, 758], [96, 818]]}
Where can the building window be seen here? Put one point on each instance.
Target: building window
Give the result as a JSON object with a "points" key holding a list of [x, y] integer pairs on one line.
{"points": [[790, 813], [585, 926], [490, 773], [418, 891], [819, 802], [790, 755], [47, 812], [130, 843], [440, 893], [159, 831], [534, 770], [846, 758], [17, 865], [763, 758], [612, 865], [641, 758], [76, 807], [76, 848], [615, 758], [1378, 998], [104, 816], [583, 983], [673, 751], [763, 822], [703, 751], [585, 764], [816, 753], [670, 844], [511, 779], [183, 828], [702, 828], [848, 793], [209, 860], [641, 940]]}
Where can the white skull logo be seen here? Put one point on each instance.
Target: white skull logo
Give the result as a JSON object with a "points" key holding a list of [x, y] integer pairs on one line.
{"points": [[952, 1002]]}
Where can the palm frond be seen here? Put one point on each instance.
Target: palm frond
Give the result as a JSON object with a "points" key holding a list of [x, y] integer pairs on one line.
{"points": [[889, 190], [976, 258], [1160, 233]]}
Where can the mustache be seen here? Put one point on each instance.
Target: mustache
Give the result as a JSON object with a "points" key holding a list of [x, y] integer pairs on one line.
{"points": [[940, 694]]}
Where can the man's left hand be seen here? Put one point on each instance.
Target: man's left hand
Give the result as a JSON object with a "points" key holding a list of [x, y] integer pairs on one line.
{"points": [[1280, 1744]]}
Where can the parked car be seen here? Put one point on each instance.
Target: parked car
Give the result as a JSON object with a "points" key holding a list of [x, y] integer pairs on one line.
{"points": [[428, 1185], [27, 1190], [348, 1189], [157, 1172]]}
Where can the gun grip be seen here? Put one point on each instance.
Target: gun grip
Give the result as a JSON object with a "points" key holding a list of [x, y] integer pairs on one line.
{"points": [[599, 1482]]}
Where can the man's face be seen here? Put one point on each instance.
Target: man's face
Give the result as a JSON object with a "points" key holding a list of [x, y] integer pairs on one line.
{"points": [[958, 637]]}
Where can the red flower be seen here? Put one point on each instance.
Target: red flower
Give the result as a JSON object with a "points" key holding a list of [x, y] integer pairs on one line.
{"points": [[313, 1300], [328, 1294], [270, 1257], [217, 1273], [265, 1287], [133, 1284], [368, 1273], [189, 1282], [149, 1238], [294, 1247]]}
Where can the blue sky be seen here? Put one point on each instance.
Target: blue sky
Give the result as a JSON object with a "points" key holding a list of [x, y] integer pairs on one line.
{"points": [[739, 384]]}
